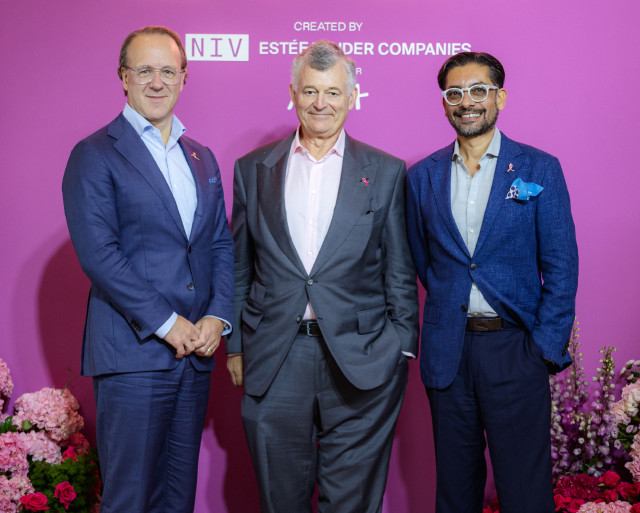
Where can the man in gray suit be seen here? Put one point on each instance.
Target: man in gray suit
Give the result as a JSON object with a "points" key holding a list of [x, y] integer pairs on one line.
{"points": [[326, 301]]}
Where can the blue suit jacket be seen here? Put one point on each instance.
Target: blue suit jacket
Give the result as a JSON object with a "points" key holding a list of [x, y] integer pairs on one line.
{"points": [[129, 238], [525, 263]]}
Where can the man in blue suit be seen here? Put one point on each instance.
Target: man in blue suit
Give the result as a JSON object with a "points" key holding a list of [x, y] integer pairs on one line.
{"points": [[145, 210], [493, 240]]}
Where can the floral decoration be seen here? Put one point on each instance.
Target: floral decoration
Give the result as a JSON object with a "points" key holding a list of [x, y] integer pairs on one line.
{"points": [[46, 464], [595, 442]]}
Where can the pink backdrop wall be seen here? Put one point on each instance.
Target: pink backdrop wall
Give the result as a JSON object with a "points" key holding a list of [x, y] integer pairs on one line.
{"points": [[572, 78]]}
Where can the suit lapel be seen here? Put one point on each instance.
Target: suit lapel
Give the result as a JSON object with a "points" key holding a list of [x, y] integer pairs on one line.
{"points": [[271, 177], [352, 195], [130, 145], [440, 178], [200, 177], [509, 154]]}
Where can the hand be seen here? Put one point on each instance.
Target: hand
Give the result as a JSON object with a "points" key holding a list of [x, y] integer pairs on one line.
{"points": [[235, 368], [210, 333], [182, 336]]}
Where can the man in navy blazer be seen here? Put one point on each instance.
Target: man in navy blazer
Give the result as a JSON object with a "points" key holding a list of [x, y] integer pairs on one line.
{"points": [[326, 301], [493, 240], [145, 210]]}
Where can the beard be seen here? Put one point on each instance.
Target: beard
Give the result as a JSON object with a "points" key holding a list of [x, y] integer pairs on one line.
{"points": [[489, 121]]}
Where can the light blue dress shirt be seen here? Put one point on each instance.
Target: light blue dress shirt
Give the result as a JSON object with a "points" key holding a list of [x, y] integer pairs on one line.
{"points": [[176, 171], [469, 198]]}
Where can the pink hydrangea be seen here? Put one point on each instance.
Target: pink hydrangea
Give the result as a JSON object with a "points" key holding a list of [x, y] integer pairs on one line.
{"points": [[11, 490], [603, 507], [41, 448], [631, 398], [6, 383], [52, 410], [13, 454], [634, 468]]}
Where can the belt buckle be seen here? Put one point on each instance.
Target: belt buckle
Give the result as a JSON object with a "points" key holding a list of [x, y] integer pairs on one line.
{"points": [[308, 326]]}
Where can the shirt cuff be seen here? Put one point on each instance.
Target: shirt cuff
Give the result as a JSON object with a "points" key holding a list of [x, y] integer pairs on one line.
{"points": [[163, 330], [226, 327]]}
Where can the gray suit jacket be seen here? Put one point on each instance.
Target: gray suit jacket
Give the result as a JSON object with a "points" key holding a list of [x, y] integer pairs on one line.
{"points": [[362, 287]]}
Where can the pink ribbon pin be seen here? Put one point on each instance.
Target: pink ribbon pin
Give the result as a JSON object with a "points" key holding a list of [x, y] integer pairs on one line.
{"points": [[510, 168], [195, 156], [365, 181]]}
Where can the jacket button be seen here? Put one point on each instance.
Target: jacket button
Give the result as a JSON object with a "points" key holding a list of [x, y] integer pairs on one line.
{"points": [[191, 286], [299, 318], [310, 282], [473, 267], [463, 308]]}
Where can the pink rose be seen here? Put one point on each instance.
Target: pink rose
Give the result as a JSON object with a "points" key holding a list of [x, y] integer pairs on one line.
{"points": [[561, 501], [628, 491], [610, 479], [574, 505], [69, 453], [34, 502], [65, 494]]}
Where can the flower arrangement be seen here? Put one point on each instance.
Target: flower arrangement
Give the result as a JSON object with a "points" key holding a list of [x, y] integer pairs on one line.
{"points": [[595, 441], [46, 464]]}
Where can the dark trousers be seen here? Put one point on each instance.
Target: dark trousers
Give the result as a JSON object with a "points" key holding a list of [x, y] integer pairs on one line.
{"points": [[313, 424], [149, 427], [501, 390]]}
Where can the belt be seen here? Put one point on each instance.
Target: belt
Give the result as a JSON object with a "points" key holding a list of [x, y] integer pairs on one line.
{"points": [[485, 323], [310, 328]]}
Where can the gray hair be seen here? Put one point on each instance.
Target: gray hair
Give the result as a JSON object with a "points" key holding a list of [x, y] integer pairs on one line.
{"points": [[323, 55]]}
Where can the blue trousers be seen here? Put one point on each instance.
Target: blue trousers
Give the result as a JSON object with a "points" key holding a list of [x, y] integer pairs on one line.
{"points": [[313, 425], [149, 427], [502, 391]]}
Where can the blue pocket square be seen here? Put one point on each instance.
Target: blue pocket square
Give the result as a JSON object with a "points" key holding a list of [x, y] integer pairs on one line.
{"points": [[521, 190]]}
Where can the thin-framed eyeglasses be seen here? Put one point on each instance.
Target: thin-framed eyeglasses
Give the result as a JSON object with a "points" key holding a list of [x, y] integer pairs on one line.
{"points": [[478, 93], [144, 74]]}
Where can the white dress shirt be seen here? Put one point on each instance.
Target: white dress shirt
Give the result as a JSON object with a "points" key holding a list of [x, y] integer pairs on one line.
{"points": [[310, 193], [469, 198]]}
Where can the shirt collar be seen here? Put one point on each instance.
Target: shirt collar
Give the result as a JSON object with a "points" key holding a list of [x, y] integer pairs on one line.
{"points": [[141, 125], [493, 150], [338, 147]]}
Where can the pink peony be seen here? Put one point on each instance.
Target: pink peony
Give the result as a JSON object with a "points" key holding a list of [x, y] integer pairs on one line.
{"points": [[13, 454], [41, 448], [52, 410]]}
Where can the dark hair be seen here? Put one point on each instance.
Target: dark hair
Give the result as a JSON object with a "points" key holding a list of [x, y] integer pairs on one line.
{"points": [[148, 31], [321, 56], [496, 71]]}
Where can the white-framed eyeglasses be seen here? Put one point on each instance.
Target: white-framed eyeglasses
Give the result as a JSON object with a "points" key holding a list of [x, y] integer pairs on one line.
{"points": [[478, 93], [144, 74]]}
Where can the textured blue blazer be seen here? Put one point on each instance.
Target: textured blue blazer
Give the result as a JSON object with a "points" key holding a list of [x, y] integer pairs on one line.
{"points": [[129, 238], [525, 263]]}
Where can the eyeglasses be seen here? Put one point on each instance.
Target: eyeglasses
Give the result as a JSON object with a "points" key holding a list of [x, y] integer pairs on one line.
{"points": [[144, 74], [478, 93]]}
